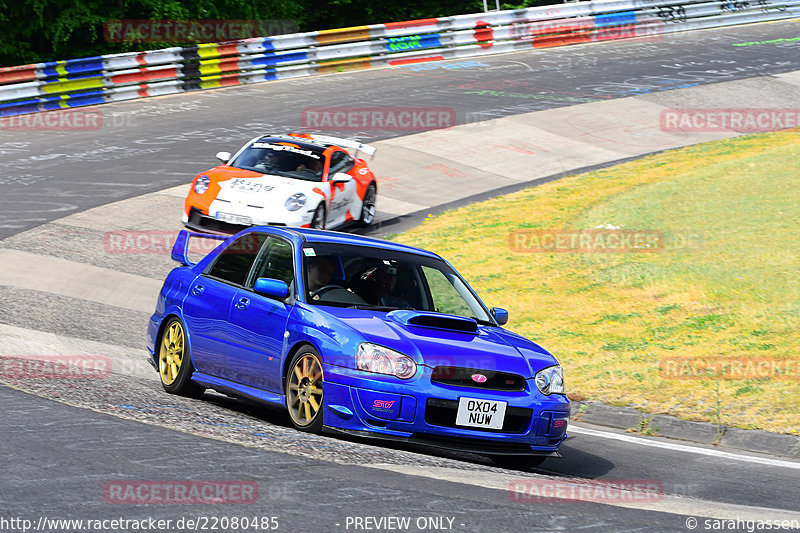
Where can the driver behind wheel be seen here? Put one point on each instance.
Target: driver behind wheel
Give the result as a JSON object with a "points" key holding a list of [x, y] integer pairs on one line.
{"points": [[319, 273]]}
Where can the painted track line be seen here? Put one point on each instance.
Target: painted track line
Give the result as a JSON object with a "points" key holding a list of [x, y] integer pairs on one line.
{"points": [[671, 504], [765, 461]]}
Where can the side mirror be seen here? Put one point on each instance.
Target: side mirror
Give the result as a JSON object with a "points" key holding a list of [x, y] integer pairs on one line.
{"points": [[224, 156], [499, 314], [273, 288], [341, 177]]}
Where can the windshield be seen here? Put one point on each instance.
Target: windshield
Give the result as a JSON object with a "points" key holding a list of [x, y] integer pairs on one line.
{"points": [[384, 280], [293, 160]]}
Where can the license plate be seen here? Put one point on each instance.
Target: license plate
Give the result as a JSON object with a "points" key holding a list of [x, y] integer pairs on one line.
{"points": [[480, 413], [234, 219]]}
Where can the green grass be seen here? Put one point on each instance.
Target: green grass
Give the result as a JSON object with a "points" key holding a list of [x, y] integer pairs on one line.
{"points": [[725, 283]]}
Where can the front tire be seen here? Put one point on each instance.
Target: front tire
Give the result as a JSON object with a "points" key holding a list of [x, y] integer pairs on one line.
{"points": [[303, 388], [175, 362]]}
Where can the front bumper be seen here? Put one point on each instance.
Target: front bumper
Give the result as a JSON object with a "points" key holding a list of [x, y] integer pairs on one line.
{"points": [[198, 221], [424, 413], [461, 445]]}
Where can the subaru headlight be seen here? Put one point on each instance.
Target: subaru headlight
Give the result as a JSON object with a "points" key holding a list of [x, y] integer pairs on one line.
{"points": [[550, 380], [201, 185], [382, 360], [295, 201]]}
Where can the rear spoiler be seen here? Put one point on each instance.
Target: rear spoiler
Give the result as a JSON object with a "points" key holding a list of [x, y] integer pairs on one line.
{"points": [[180, 248], [338, 141]]}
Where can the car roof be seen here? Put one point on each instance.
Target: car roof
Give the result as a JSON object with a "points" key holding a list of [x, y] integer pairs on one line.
{"points": [[335, 237]]}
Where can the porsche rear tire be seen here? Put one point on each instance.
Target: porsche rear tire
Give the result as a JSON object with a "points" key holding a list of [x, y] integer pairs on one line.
{"points": [[368, 206], [318, 220]]}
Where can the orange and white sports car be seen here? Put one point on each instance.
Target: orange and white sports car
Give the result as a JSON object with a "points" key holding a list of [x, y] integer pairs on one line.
{"points": [[299, 180]]}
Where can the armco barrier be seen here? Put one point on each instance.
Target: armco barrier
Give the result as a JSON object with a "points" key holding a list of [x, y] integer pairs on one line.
{"points": [[116, 77]]}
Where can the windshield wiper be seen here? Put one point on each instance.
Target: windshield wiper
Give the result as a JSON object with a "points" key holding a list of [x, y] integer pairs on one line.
{"points": [[373, 307]]}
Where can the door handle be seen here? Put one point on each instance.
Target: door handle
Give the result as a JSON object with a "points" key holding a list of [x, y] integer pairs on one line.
{"points": [[197, 290], [242, 303]]}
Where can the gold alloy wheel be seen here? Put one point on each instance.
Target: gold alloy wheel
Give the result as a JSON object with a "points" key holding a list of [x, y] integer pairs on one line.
{"points": [[170, 356], [305, 389]]}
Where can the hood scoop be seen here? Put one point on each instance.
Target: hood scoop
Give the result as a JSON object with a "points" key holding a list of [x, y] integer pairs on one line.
{"points": [[434, 320]]}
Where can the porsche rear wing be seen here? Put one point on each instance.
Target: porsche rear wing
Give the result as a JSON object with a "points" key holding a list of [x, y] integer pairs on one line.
{"points": [[180, 250], [338, 141]]}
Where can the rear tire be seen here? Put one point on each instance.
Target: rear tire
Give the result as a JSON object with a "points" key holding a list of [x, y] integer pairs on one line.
{"points": [[368, 206], [318, 220], [175, 363]]}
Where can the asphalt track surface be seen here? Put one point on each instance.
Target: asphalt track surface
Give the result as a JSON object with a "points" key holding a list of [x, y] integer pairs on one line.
{"points": [[148, 145], [58, 458]]}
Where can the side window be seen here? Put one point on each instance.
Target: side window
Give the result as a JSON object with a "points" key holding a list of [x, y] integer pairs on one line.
{"points": [[275, 262], [234, 262], [340, 162], [445, 296]]}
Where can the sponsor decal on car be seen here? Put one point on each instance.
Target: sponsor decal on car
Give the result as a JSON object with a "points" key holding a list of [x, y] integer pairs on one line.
{"points": [[383, 405], [249, 185]]}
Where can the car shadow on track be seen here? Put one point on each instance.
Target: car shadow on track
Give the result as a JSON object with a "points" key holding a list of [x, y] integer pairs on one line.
{"points": [[574, 463]]}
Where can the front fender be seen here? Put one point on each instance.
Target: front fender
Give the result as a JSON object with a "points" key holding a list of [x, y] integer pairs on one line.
{"points": [[336, 342]]}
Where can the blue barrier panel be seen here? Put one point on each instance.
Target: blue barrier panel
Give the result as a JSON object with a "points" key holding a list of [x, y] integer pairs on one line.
{"points": [[413, 42], [280, 57], [622, 18], [56, 99], [267, 44], [72, 66]]}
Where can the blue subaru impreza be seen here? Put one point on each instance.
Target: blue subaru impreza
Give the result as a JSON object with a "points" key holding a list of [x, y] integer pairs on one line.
{"points": [[358, 336]]}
